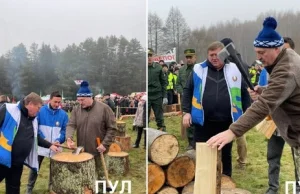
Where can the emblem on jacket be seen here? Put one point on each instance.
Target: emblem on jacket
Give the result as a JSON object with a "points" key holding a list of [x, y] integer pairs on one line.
{"points": [[234, 78], [57, 124]]}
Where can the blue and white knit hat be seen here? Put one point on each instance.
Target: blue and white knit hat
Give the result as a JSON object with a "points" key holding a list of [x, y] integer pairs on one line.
{"points": [[84, 90], [268, 37]]}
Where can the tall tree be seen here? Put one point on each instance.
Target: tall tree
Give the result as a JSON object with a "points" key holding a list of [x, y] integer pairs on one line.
{"points": [[155, 32]]}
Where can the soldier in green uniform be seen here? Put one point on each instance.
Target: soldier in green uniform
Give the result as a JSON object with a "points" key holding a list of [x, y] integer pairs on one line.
{"points": [[157, 95], [184, 72]]}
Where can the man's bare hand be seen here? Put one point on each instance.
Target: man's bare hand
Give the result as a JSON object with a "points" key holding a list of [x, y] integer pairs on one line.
{"points": [[187, 120]]}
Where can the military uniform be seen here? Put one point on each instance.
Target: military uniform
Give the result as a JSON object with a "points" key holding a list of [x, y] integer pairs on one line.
{"points": [[157, 84], [183, 75]]}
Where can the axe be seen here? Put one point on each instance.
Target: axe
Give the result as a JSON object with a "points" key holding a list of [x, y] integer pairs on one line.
{"points": [[229, 50]]}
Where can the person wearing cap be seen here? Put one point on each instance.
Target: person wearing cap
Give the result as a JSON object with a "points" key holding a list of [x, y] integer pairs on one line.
{"points": [[276, 142], [157, 94], [214, 96], [140, 121], [184, 72], [91, 119], [280, 100], [241, 141]]}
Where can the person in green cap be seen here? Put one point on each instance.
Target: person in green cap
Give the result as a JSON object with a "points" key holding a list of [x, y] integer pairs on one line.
{"points": [[157, 94], [184, 72]]}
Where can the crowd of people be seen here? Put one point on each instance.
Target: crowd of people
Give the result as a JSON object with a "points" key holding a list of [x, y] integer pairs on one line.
{"points": [[218, 106]]}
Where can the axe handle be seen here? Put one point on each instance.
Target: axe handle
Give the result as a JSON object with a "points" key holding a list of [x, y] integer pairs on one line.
{"points": [[103, 163]]}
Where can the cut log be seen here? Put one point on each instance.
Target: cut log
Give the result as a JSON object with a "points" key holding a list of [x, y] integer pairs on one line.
{"points": [[125, 142], [170, 114], [180, 172], [188, 189], [121, 128], [207, 176], [170, 108], [167, 190], [266, 127], [73, 173], [115, 147], [235, 191], [156, 178], [162, 147], [117, 163], [227, 182], [191, 154]]}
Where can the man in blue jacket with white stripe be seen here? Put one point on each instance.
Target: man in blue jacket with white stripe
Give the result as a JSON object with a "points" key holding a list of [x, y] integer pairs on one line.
{"points": [[52, 123]]}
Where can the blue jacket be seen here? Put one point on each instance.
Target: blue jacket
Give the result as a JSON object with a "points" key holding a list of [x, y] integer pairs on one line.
{"points": [[52, 127], [263, 78]]}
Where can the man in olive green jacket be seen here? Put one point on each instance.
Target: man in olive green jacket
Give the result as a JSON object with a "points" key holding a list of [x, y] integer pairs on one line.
{"points": [[157, 95], [183, 75]]}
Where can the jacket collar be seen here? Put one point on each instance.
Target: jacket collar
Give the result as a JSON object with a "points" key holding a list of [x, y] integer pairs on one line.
{"points": [[271, 67]]}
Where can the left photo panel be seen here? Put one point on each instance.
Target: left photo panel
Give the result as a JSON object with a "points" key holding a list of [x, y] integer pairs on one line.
{"points": [[73, 96]]}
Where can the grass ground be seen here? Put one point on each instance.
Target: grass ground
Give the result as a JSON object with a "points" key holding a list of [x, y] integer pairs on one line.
{"points": [[137, 173], [255, 177]]}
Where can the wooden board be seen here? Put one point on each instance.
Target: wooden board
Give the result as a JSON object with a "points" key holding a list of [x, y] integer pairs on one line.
{"points": [[266, 127]]}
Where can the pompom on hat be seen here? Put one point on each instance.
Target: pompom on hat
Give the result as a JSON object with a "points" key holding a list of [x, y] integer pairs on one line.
{"points": [[84, 90], [268, 37]]}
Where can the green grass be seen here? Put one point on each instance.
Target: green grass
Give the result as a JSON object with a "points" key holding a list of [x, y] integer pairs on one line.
{"points": [[137, 173], [255, 177]]}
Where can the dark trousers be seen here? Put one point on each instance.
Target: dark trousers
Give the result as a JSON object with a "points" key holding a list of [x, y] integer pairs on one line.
{"points": [[33, 176], [157, 107], [209, 129], [139, 136], [170, 96], [12, 178], [274, 153]]}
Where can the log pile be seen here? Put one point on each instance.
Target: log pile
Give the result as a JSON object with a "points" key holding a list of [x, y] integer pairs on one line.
{"points": [[171, 173]]}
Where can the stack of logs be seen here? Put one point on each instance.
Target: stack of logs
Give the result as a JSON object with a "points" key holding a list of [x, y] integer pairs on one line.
{"points": [[169, 173], [117, 159]]}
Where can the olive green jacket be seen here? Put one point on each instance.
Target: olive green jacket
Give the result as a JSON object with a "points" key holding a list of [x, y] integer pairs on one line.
{"points": [[157, 82]]}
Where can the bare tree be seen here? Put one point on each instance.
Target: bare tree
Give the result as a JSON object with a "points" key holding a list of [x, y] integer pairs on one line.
{"points": [[155, 31]]}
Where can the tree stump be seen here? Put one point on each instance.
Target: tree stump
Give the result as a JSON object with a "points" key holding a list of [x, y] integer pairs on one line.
{"points": [[188, 189], [162, 147], [73, 173], [180, 172], [121, 128], [235, 191], [156, 178], [125, 142], [167, 190], [117, 163], [227, 182], [115, 147]]}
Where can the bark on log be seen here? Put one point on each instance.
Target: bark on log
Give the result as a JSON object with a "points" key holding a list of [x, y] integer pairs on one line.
{"points": [[156, 178], [117, 163], [167, 190], [188, 189], [125, 142], [73, 173], [121, 128], [162, 147], [180, 172]]}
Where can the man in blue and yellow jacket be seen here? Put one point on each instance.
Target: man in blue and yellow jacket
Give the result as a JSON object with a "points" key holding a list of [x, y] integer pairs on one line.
{"points": [[19, 139], [214, 97], [52, 123]]}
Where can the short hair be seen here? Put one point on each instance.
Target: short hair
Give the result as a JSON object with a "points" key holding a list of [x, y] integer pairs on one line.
{"points": [[55, 94], [289, 41], [215, 45], [34, 98], [164, 65]]}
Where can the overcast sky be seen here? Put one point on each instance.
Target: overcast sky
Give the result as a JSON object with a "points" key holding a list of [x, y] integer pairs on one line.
{"points": [[207, 12], [63, 22]]}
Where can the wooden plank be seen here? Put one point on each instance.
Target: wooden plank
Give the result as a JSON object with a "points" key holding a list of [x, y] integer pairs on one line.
{"points": [[206, 170]]}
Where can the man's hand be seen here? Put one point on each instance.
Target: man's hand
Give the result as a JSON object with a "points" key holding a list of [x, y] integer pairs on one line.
{"points": [[101, 148], [70, 143], [54, 148], [187, 120], [254, 94], [165, 101], [221, 139]]}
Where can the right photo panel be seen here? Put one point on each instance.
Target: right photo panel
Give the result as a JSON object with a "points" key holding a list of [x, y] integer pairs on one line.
{"points": [[223, 97]]}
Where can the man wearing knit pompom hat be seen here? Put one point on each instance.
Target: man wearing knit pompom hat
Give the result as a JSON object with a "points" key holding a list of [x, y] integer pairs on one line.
{"points": [[91, 119], [281, 99]]}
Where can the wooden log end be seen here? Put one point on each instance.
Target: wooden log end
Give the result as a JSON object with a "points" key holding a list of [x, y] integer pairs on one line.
{"points": [[156, 178], [167, 190]]}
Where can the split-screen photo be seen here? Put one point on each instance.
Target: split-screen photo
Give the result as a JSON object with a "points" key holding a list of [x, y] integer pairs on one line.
{"points": [[149, 97]]}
